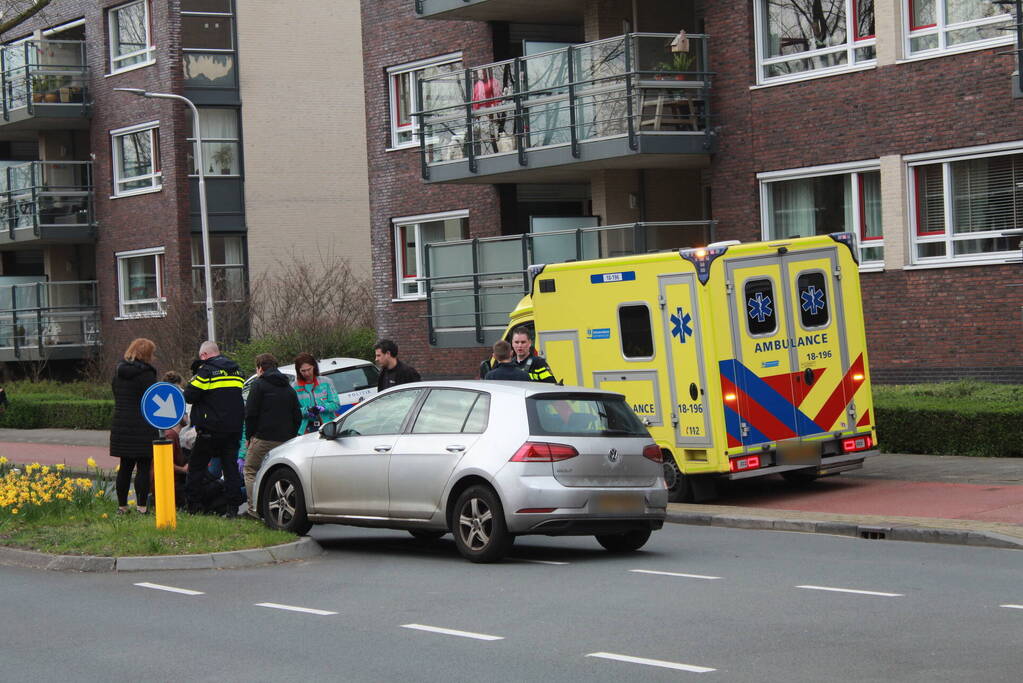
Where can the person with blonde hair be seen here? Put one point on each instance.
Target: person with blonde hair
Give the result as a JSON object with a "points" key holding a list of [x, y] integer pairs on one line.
{"points": [[131, 437]]}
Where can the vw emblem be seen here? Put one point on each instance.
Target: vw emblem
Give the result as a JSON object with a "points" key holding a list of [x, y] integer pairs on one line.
{"points": [[612, 456]]}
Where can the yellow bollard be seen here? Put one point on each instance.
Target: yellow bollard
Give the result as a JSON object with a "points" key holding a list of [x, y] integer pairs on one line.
{"points": [[163, 475]]}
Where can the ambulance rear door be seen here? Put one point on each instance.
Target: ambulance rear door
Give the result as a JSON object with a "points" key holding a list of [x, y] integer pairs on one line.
{"points": [[684, 326]]}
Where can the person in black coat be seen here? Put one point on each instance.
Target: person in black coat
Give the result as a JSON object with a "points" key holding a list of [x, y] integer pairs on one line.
{"points": [[505, 368], [272, 416], [131, 437]]}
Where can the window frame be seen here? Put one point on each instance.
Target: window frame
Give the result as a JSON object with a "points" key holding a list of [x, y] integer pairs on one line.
{"points": [[478, 395], [941, 28], [853, 43], [148, 52], [237, 141], [773, 302], [856, 170], [650, 330], [155, 176], [827, 298], [394, 73], [217, 269], [400, 265], [229, 52], [122, 257], [947, 236]]}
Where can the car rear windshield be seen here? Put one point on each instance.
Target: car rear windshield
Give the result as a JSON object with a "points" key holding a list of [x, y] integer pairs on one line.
{"points": [[354, 379], [582, 415]]}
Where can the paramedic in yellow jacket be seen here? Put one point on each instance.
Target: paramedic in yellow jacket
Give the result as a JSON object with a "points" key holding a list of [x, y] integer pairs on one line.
{"points": [[524, 359]]}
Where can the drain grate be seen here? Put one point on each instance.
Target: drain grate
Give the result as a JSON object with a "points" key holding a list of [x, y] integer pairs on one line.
{"points": [[873, 535]]}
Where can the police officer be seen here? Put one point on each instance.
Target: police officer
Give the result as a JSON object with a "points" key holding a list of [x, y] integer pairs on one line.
{"points": [[217, 413], [504, 368]]}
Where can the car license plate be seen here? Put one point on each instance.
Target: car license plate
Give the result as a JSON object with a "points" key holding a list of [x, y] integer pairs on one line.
{"points": [[619, 502], [800, 453]]}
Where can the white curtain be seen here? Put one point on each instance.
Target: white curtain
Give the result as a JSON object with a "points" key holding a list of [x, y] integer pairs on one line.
{"points": [[791, 208]]}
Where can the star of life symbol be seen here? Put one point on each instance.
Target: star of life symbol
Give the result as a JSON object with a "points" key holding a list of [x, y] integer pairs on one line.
{"points": [[812, 299], [760, 307], [680, 321]]}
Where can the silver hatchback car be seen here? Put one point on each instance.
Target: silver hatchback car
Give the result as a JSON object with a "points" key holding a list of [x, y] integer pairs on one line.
{"points": [[488, 461]]}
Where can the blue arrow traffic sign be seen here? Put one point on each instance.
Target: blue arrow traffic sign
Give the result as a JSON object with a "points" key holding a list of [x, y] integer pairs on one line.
{"points": [[163, 405]]}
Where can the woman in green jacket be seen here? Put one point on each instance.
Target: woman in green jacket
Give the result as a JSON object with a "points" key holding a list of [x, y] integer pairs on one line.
{"points": [[316, 397]]}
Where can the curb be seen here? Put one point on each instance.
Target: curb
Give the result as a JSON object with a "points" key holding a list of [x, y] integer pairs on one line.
{"points": [[890, 532], [301, 549]]}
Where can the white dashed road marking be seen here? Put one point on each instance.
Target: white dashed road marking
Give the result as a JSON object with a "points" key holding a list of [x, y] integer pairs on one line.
{"points": [[653, 662], [684, 576], [169, 589], [522, 559], [452, 632], [850, 590], [292, 608], [1013, 606]]}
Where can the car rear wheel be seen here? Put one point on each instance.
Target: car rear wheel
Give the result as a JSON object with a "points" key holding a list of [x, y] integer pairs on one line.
{"points": [[426, 534], [481, 534], [283, 503], [624, 543]]}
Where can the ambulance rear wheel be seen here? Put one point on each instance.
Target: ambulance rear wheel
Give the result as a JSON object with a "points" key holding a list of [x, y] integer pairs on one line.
{"points": [[680, 489]]}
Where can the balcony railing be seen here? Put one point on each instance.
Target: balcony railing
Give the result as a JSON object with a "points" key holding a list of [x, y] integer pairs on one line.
{"points": [[47, 199], [623, 87], [44, 77], [42, 319], [472, 285]]}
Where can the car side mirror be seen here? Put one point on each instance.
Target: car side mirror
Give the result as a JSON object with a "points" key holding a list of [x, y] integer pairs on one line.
{"points": [[329, 431]]}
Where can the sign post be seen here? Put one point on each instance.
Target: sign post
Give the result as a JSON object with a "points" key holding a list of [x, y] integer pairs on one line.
{"points": [[163, 407]]}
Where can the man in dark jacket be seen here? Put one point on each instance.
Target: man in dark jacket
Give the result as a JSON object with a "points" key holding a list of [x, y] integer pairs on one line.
{"points": [[505, 368], [392, 371], [272, 416], [217, 412]]}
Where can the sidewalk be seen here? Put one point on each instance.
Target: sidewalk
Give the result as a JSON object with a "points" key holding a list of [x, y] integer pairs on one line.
{"points": [[942, 498]]}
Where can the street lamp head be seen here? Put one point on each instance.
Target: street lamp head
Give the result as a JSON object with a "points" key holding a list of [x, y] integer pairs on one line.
{"points": [[134, 91]]}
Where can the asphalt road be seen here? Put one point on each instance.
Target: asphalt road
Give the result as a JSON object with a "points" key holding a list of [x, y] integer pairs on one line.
{"points": [[698, 603]]}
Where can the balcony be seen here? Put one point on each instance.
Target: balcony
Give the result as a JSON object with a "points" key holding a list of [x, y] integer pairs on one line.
{"points": [[44, 85], [626, 102], [47, 201], [472, 285], [524, 11], [48, 320]]}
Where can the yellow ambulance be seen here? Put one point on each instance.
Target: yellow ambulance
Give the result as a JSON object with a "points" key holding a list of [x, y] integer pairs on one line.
{"points": [[743, 359]]}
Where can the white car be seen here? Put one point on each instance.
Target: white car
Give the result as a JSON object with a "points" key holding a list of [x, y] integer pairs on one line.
{"points": [[354, 379]]}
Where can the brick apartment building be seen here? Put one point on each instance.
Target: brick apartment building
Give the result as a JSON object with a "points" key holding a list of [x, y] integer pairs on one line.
{"points": [[893, 119], [101, 235]]}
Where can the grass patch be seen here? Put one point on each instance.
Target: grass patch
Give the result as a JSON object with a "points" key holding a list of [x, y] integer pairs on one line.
{"points": [[133, 534]]}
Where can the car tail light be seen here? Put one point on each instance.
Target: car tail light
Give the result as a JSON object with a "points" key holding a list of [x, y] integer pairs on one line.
{"points": [[538, 451], [749, 462], [857, 443], [653, 452]]}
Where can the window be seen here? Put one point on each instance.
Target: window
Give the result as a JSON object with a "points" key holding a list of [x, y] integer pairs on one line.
{"points": [[403, 88], [136, 159], [384, 415], [227, 268], [207, 42], [451, 411], [934, 26], [961, 208], [140, 283], [634, 328], [800, 37], [130, 40], [761, 308], [813, 300], [410, 236], [220, 149], [811, 204], [582, 415]]}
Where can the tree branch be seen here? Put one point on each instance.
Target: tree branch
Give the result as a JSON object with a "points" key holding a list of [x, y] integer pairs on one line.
{"points": [[28, 12]]}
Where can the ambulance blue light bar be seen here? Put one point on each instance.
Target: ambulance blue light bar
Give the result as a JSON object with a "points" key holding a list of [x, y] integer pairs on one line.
{"points": [[702, 257], [849, 240]]}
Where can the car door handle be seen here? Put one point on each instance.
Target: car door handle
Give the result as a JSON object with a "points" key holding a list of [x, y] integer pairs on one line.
{"points": [[382, 449], [455, 449]]}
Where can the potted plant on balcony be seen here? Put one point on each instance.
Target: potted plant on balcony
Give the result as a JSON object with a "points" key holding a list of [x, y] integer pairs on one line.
{"points": [[680, 62], [223, 157], [44, 89]]}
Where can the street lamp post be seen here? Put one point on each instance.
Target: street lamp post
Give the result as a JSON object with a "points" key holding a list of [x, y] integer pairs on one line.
{"points": [[211, 333]]}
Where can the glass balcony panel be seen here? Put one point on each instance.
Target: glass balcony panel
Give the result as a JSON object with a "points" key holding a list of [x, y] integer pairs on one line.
{"points": [[502, 258], [51, 313], [44, 71], [46, 193]]}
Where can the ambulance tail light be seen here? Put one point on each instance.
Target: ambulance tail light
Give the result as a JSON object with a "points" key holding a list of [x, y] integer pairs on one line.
{"points": [[653, 452], [746, 462], [538, 451], [857, 443]]}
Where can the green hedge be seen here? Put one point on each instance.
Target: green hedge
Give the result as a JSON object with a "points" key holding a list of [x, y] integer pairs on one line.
{"points": [[59, 412], [356, 343], [956, 418]]}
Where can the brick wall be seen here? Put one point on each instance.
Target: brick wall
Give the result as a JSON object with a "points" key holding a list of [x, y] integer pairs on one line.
{"points": [[925, 324], [391, 36]]}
